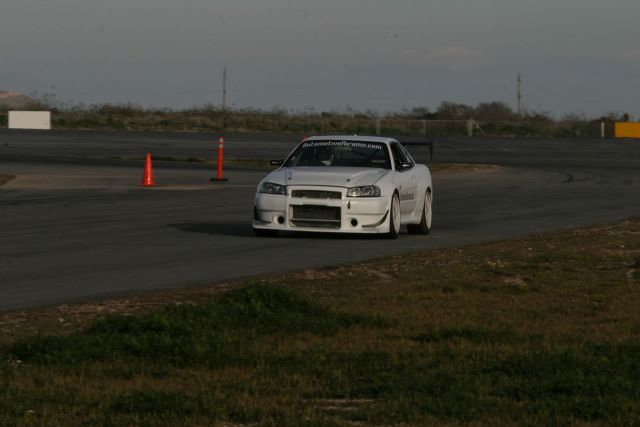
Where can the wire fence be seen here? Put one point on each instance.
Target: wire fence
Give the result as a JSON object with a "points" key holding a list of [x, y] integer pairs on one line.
{"points": [[313, 124]]}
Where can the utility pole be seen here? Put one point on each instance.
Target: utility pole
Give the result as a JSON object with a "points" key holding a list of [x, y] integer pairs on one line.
{"points": [[224, 89], [519, 95]]}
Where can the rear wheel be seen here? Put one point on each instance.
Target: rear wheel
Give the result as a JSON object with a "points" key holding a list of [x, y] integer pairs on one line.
{"points": [[424, 227], [394, 217], [261, 232]]}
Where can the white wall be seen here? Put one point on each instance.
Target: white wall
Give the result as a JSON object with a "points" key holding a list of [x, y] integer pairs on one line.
{"points": [[29, 119]]}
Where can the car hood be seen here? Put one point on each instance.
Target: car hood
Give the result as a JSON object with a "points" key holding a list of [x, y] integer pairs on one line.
{"points": [[326, 175]]}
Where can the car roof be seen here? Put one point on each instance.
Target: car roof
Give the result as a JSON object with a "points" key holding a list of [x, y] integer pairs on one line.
{"points": [[381, 139]]}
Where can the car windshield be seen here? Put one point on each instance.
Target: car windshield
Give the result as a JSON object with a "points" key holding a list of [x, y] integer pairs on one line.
{"points": [[362, 154]]}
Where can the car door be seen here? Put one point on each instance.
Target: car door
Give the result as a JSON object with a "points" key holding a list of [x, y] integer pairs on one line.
{"points": [[407, 182]]}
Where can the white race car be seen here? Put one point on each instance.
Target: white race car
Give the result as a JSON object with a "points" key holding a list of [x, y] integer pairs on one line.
{"points": [[345, 184]]}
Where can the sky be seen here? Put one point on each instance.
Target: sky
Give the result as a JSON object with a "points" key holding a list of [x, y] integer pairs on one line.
{"points": [[575, 56]]}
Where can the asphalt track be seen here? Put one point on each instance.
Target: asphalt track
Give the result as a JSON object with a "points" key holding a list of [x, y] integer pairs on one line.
{"points": [[76, 225]]}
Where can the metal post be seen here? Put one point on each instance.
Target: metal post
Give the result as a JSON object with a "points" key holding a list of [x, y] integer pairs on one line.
{"points": [[470, 128], [602, 133], [224, 89], [519, 95], [424, 127]]}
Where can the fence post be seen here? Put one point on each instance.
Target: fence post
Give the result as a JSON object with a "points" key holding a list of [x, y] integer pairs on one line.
{"points": [[424, 127], [602, 134], [470, 128], [378, 126]]}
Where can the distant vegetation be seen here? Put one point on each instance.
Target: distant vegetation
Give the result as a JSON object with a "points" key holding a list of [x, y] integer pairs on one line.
{"points": [[493, 118]]}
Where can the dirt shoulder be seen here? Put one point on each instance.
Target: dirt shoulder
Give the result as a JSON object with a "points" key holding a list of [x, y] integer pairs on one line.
{"points": [[446, 168], [6, 178]]}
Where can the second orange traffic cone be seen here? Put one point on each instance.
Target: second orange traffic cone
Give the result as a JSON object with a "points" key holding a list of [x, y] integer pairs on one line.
{"points": [[147, 179]]}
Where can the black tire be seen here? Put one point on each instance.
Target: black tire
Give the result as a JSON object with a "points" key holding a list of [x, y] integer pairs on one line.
{"points": [[261, 232], [424, 227], [394, 217]]}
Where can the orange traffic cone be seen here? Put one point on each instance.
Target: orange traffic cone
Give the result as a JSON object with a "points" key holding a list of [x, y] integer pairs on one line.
{"points": [[147, 179]]}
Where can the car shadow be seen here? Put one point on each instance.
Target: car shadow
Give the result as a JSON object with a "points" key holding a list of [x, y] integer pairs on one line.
{"points": [[245, 230], [326, 236], [220, 229]]}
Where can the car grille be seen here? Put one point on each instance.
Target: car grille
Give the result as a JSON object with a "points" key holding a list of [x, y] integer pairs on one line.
{"points": [[316, 194], [316, 216]]}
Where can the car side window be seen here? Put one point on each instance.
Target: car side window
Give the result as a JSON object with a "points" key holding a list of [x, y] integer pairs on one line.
{"points": [[399, 156], [407, 155]]}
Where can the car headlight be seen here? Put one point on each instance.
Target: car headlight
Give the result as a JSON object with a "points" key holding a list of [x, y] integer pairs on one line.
{"points": [[364, 191], [272, 188]]}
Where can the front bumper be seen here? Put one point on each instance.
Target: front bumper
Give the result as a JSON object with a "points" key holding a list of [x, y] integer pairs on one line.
{"points": [[316, 212]]}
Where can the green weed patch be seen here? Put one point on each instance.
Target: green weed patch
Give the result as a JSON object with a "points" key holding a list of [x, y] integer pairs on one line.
{"points": [[215, 334]]}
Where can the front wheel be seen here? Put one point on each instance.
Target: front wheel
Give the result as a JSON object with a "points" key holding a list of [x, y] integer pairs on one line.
{"points": [[394, 217], [424, 227]]}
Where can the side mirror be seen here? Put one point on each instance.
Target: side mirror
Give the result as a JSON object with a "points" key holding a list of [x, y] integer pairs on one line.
{"points": [[404, 166], [276, 162]]}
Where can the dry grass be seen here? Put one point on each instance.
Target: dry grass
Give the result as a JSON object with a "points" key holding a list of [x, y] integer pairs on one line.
{"points": [[495, 119], [532, 331]]}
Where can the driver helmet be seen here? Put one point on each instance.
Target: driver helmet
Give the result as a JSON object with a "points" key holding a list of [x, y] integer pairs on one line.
{"points": [[325, 156]]}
